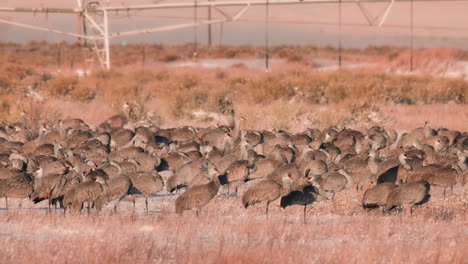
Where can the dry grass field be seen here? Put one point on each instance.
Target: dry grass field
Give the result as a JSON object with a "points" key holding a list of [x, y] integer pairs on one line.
{"points": [[336, 231], [294, 96]]}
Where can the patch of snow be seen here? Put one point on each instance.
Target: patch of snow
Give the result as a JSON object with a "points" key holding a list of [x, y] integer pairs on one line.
{"points": [[146, 228]]}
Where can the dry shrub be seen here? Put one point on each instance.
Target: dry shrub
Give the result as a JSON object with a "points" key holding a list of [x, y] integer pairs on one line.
{"points": [[200, 99], [107, 75], [268, 88], [36, 112], [224, 51], [83, 93], [16, 71], [5, 84], [171, 58], [60, 86], [291, 55]]}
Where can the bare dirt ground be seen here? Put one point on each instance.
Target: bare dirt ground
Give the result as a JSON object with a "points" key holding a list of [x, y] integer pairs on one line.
{"points": [[335, 232]]}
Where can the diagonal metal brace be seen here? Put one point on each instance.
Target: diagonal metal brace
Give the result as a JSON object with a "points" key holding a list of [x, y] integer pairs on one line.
{"points": [[380, 19]]}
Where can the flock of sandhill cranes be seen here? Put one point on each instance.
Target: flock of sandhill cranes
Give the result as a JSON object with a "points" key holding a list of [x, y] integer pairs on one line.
{"points": [[74, 165]]}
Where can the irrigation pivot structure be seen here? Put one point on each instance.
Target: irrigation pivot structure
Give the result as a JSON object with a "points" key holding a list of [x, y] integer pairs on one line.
{"points": [[96, 16]]}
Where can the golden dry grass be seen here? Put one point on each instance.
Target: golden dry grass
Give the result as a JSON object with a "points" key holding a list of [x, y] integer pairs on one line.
{"points": [[336, 231], [291, 91]]}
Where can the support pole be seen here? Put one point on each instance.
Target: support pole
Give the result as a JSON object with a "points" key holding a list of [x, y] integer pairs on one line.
{"points": [[79, 22], [339, 34], [79, 25], [411, 36], [267, 22], [209, 26], [106, 39], [195, 29]]}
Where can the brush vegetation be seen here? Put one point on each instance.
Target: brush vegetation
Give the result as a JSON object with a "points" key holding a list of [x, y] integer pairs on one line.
{"points": [[142, 74]]}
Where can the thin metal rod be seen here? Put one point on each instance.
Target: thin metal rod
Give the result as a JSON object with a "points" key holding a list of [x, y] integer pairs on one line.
{"points": [[106, 40], [100, 9], [44, 29], [411, 35], [79, 27], [209, 27], [339, 35], [195, 29], [166, 28], [267, 24]]}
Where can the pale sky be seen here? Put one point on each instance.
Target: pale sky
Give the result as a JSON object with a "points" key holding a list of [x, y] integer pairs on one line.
{"points": [[436, 24]]}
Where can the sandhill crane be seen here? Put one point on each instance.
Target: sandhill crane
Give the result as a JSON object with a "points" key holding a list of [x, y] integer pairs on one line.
{"points": [[145, 183], [125, 153], [53, 166], [129, 166], [7, 173], [204, 176], [44, 185], [382, 170], [74, 123], [451, 135], [253, 137], [117, 188], [65, 183], [225, 162], [119, 120], [263, 168], [333, 181], [217, 137], [101, 173], [267, 190], [237, 172], [183, 175], [438, 143], [120, 137], [87, 191], [104, 138], [301, 140], [410, 162], [302, 195], [112, 169], [287, 153], [278, 137], [17, 186], [278, 174], [198, 196], [188, 146], [314, 167], [173, 160], [414, 193], [445, 177], [46, 150], [185, 133], [75, 138], [462, 161], [377, 195], [97, 154]]}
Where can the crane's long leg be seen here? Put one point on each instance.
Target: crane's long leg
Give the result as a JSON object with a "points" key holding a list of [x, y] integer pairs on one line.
{"points": [[146, 202], [305, 209]]}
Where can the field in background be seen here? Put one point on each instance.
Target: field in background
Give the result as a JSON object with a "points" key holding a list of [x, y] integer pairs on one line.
{"points": [[302, 90]]}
